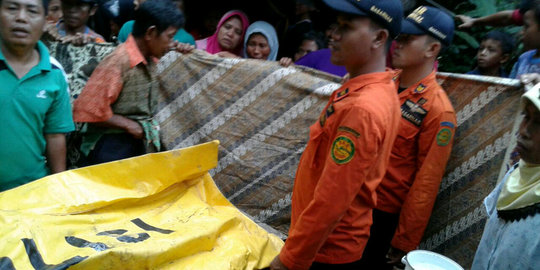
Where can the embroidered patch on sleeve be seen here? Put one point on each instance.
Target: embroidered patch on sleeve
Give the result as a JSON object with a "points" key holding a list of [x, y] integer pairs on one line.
{"points": [[342, 150], [447, 124], [444, 137], [349, 130]]}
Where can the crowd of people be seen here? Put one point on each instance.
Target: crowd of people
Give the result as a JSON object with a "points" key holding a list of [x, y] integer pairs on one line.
{"points": [[368, 178]]}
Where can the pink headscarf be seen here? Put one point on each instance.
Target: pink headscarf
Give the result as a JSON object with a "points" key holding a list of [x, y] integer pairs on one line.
{"points": [[211, 42]]}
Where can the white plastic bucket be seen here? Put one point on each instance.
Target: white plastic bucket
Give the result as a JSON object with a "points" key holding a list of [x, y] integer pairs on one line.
{"points": [[427, 260]]}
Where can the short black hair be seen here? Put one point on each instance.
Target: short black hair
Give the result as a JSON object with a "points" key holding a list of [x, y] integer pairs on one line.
{"points": [[45, 5], [507, 41], [160, 13], [375, 25], [317, 37], [526, 5]]}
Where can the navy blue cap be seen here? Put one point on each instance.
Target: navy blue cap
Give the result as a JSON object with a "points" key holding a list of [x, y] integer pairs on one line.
{"points": [[431, 21], [388, 13]]}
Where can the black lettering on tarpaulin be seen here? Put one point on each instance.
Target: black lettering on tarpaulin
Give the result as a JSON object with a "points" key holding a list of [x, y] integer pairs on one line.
{"points": [[37, 261], [112, 232], [6, 264], [147, 227], [129, 239], [118, 234], [81, 243]]}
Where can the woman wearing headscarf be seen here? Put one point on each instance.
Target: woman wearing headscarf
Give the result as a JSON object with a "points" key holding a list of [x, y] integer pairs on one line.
{"points": [[229, 36], [511, 238], [261, 41]]}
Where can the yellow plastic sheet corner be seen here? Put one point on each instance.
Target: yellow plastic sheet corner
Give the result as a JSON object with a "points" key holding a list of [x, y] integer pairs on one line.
{"points": [[158, 211]]}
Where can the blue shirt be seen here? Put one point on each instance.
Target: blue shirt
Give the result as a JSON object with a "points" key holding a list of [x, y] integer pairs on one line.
{"points": [[476, 71], [507, 244], [526, 63]]}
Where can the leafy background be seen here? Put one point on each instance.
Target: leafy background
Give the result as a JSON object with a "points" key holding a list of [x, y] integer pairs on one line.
{"points": [[460, 57]]}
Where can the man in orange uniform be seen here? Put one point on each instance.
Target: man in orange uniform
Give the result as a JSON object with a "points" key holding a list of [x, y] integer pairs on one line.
{"points": [[407, 193], [349, 147]]}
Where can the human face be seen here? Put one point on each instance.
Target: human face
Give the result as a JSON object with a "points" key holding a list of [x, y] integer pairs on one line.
{"points": [[490, 54], [257, 47], [54, 11], [160, 44], [528, 143], [306, 47], [409, 51], [351, 42], [76, 14], [21, 22], [230, 34], [530, 32], [137, 3]]}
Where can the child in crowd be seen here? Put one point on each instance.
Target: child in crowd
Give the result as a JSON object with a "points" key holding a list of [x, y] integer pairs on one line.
{"points": [[120, 98], [311, 41], [76, 14], [529, 62], [494, 52], [54, 13]]}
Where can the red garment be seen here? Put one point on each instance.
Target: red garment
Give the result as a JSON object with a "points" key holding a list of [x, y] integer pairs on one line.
{"points": [[418, 160], [344, 161], [211, 45], [106, 83], [517, 17]]}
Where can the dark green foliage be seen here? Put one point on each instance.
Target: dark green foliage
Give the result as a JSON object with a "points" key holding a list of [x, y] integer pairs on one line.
{"points": [[460, 57]]}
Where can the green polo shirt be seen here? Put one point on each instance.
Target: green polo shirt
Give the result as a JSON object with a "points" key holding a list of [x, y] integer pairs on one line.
{"points": [[30, 107]]}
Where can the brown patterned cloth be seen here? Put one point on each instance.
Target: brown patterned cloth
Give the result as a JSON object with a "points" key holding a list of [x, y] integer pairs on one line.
{"points": [[78, 61], [258, 110], [486, 111]]}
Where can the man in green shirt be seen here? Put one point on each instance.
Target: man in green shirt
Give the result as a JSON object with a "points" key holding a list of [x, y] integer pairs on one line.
{"points": [[35, 112]]}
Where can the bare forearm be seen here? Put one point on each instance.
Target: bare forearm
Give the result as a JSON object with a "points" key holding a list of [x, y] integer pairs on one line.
{"points": [[56, 152], [124, 123], [501, 18]]}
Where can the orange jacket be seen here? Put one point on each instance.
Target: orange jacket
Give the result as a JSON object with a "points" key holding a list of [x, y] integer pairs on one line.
{"points": [[344, 162], [418, 160]]}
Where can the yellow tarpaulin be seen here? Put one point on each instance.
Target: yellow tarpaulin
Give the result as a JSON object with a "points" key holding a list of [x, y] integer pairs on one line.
{"points": [[158, 211]]}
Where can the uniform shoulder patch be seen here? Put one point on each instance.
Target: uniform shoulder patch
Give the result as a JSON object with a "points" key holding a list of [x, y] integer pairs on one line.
{"points": [[349, 130], [444, 136], [341, 94], [325, 114], [420, 88], [342, 150]]}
